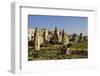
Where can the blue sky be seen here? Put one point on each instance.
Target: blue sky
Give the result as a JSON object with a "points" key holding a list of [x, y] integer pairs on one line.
{"points": [[71, 24]]}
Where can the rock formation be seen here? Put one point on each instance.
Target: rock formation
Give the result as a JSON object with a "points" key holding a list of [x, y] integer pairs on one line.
{"points": [[36, 40], [55, 37], [45, 35], [65, 39]]}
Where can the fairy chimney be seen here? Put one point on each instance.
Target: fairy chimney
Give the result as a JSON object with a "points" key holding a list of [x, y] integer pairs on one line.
{"points": [[36, 39], [65, 39]]}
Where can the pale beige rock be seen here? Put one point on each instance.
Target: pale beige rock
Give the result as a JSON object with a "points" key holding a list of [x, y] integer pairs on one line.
{"points": [[36, 39]]}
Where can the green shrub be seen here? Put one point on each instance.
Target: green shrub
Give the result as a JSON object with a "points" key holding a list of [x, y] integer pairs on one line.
{"points": [[69, 45]]}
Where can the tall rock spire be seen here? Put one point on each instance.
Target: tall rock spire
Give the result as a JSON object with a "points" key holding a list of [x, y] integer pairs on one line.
{"points": [[65, 38], [45, 35], [55, 36], [36, 39]]}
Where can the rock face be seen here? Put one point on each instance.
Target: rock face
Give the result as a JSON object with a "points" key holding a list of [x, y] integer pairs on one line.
{"points": [[45, 35], [36, 40], [65, 39], [55, 38], [31, 34]]}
